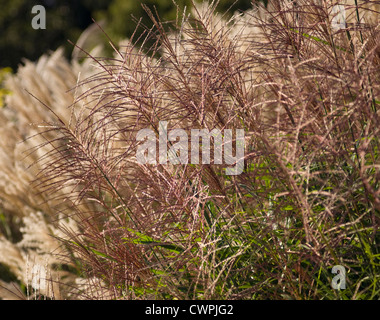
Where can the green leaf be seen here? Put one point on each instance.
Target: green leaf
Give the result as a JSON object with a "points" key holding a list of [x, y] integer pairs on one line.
{"points": [[146, 240], [103, 255], [142, 238]]}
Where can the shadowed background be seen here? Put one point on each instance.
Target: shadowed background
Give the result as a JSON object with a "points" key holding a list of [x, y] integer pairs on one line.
{"points": [[66, 20]]}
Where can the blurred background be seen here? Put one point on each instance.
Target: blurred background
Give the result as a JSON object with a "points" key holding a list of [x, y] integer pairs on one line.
{"points": [[66, 20]]}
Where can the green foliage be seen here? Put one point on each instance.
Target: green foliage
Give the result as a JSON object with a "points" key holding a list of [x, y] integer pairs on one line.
{"points": [[3, 91], [6, 274]]}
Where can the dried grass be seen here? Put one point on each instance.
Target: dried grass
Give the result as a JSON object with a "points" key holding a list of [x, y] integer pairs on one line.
{"points": [[308, 100]]}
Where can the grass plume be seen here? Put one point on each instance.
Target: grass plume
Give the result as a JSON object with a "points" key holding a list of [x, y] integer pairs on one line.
{"points": [[308, 99]]}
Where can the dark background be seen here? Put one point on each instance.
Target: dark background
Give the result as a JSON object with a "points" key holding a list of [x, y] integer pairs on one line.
{"points": [[65, 20]]}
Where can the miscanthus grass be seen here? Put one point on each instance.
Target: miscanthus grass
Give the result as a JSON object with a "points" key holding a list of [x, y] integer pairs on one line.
{"points": [[307, 96]]}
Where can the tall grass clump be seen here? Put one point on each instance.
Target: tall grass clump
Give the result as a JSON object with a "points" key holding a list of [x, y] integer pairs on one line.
{"points": [[308, 99], [30, 263]]}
